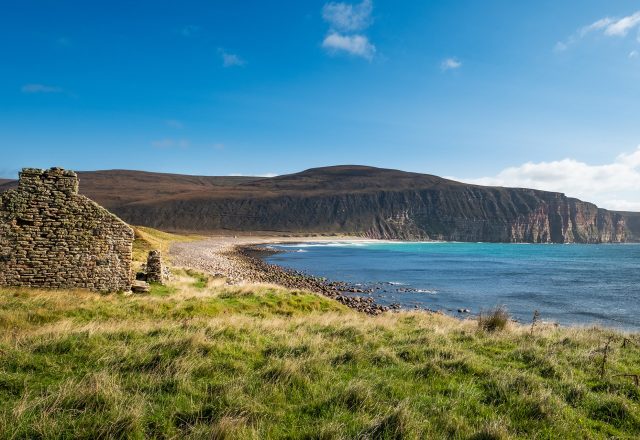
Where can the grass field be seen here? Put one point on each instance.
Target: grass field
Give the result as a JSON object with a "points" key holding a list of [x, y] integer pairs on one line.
{"points": [[147, 239], [199, 359]]}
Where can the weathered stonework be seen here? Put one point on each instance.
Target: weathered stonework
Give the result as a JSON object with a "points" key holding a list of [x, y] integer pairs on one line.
{"points": [[50, 236], [154, 268]]}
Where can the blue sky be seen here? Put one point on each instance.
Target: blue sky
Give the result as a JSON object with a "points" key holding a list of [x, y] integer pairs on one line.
{"points": [[543, 94]]}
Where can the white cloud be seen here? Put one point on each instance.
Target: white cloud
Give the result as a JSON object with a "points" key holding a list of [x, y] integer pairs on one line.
{"points": [[40, 88], [450, 64], [346, 23], [621, 27], [603, 23], [615, 185], [174, 123], [343, 17], [357, 45], [610, 27], [230, 59], [634, 54], [623, 205], [171, 143]]}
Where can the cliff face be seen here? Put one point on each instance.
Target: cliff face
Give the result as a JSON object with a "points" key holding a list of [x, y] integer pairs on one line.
{"points": [[363, 201], [632, 226], [464, 214]]}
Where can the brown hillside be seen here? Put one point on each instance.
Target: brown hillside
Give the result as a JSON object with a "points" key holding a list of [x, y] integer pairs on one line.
{"points": [[350, 199]]}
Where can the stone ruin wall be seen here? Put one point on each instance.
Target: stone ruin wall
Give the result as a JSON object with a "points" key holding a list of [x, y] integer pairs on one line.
{"points": [[52, 237]]}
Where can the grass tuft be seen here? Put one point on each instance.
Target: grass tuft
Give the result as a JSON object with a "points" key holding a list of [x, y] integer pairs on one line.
{"points": [[396, 425], [616, 412], [495, 320]]}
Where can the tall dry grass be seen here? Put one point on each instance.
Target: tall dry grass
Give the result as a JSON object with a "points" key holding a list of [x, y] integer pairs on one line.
{"points": [[200, 359], [215, 361]]}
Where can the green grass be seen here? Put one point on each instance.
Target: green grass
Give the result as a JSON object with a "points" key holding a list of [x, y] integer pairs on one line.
{"points": [[147, 239], [198, 359], [201, 280]]}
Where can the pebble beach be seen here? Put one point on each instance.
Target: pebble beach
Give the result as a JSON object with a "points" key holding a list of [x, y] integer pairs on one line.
{"points": [[239, 261]]}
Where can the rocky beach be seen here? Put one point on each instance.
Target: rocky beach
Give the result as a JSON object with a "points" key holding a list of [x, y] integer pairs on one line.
{"points": [[239, 260]]}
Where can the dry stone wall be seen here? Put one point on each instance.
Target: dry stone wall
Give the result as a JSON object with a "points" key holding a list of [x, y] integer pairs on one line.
{"points": [[50, 236], [154, 267]]}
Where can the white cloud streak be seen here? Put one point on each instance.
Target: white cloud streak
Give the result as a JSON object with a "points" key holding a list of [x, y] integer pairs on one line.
{"points": [[230, 59], [610, 27], [346, 24], [40, 88], [615, 185], [343, 17], [621, 28], [450, 64], [357, 45]]}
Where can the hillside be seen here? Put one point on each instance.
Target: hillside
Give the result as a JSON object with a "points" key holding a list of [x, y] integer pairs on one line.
{"points": [[366, 201]]}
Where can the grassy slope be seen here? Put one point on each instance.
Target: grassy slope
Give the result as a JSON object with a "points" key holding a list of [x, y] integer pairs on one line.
{"points": [[198, 359], [148, 239]]}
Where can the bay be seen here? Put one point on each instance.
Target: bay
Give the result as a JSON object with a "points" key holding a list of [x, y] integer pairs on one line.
{"points": [[568, 284]]}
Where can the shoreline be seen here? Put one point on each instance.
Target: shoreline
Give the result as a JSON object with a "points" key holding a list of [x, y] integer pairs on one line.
{"points": [[239, 261], [263, 272]]}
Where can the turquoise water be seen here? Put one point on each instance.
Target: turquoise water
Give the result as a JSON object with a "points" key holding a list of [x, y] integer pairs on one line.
{"points": [[569, 284]]}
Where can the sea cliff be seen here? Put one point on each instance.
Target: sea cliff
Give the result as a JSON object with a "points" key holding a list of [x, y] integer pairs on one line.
{"points": [[356, 200], [467, 215]]}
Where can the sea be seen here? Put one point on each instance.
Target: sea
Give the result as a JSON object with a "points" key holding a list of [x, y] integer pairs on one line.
{"points": [[566, 283]]}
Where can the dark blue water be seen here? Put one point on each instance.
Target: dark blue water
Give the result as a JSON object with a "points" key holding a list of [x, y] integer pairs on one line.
{"points": [[568, 284]]}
